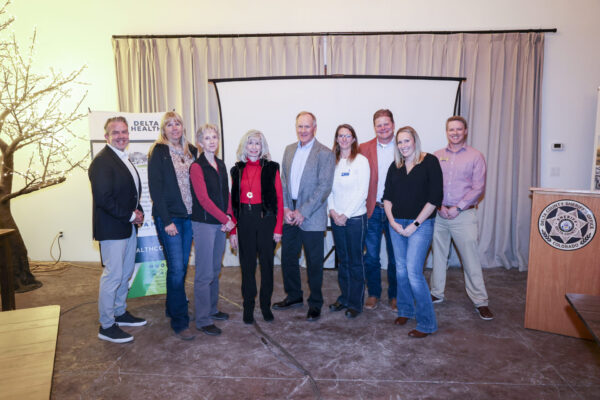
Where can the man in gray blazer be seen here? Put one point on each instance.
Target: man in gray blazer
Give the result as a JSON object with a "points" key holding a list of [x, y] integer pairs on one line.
{"points": [[306, 179]]}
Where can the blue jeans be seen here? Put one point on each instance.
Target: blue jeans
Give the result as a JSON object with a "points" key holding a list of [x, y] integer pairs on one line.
{"points": [[177, 253], [377, 223], [412, 287], [349, 242]]}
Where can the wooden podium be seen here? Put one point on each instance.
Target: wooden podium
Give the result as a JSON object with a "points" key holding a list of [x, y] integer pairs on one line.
{"points": [[564, 257]]}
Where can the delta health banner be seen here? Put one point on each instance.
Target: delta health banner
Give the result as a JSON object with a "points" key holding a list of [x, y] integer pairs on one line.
{"points": [[149, 276]]}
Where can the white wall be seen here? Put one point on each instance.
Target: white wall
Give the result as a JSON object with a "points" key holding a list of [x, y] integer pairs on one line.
{"points": [[72, 33]]}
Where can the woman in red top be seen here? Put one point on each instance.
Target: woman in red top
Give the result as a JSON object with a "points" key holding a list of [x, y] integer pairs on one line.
{"points": [[257, 204], [211, 219]]}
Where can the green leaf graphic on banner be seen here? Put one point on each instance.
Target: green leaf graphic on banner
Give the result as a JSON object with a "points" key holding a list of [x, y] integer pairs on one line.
{"points": [[150, 279]]}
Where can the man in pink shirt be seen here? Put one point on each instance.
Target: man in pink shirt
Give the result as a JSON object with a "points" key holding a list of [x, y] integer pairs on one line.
{"points": [[464, 169]]}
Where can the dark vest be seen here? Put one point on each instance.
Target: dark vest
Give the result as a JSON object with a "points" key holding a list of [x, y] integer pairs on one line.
{"points": [[268, 174], [217, 186]]}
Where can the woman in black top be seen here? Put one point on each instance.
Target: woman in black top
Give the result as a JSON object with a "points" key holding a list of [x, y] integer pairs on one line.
{"points": [[413, 191], [169, 183], [211, 219]]}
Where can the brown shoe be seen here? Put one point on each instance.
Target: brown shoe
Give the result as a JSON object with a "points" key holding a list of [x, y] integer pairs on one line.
{"points": [[485, 313], [393, 305], [371, 303], [417, 334], [185, 334], [400, 321]]}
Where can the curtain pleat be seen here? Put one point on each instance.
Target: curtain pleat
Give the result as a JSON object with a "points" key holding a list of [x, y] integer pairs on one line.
{"points": [[500, 100], [159, 74], [500, 97]]}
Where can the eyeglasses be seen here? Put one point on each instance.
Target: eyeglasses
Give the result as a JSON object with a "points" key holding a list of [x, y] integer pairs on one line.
{"points": [[344, 136]]}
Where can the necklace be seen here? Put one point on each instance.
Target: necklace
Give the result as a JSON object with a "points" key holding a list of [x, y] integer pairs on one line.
{"points": [[178, 153], [250, 194]]}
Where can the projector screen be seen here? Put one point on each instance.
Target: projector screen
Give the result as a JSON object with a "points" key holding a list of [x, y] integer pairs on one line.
{"points": [[271, 105]]}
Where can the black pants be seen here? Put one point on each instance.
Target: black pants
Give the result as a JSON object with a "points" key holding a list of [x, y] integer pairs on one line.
{"points": [[255, 236], [291, 243]]}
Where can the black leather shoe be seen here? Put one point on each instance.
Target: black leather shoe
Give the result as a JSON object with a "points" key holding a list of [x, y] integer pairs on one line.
{"points": [[211, 330], [314, 314], [248, 317], [267, 315], [337, 306], [351, 313], [287, 304], [220, 315]]}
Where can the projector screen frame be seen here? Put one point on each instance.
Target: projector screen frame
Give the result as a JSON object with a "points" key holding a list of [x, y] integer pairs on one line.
{"points": [[456, 107]]}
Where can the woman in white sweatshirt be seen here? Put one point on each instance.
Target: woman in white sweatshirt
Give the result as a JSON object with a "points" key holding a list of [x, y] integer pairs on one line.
{"points": [[348, 212]]}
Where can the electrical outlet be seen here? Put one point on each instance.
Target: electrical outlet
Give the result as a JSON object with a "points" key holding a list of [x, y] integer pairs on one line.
{"points": [[60, 234]]}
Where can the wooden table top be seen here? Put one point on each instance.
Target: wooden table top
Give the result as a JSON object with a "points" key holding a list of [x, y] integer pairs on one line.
{"points": [[27, 347], [588, 308]]}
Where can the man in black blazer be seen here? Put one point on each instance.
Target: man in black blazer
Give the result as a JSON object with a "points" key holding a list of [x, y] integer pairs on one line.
{"points": [[116, 191]]}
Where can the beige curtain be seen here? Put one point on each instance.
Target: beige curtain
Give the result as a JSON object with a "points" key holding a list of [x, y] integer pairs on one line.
{"points": [[159, 74], [501, 102], [500, 98]]}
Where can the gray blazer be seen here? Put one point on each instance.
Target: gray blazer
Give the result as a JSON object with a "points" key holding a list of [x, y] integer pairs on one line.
{"points": [[315, 185]]}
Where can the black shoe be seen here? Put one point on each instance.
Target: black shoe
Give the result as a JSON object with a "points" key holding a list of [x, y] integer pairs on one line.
{"points": [[211, 330], [219, 315], [351, 313], [286, 304], [114, 334], [314, 314], [436, 300], [248, 317], [267, 315], [337, 306], [129, 320]]}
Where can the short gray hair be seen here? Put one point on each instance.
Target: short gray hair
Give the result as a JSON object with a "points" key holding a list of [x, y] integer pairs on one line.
{"points": [[205, 129]]}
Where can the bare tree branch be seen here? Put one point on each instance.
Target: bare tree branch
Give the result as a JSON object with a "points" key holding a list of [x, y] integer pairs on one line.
{"points": [[33, 116]]}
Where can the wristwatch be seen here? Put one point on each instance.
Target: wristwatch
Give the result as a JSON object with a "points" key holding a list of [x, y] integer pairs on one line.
{"points": [[416, 223]]}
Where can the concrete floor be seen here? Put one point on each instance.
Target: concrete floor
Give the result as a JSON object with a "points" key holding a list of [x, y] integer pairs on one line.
{"points": [[333, 358]]}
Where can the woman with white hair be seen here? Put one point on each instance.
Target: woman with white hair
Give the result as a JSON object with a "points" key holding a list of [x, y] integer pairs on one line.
{"points": [[257, 203], [211, 219]]}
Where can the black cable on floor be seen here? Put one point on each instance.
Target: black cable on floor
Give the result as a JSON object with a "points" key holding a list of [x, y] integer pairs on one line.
{"points": [[57, 240]]}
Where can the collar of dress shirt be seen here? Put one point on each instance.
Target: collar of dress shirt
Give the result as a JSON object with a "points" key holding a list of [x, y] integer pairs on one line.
{"points": [[384, 145], [122, 154], [308, 145], [463, 147]]}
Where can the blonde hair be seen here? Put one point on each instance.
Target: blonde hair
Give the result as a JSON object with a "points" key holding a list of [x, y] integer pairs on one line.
{"points": [[419, 155], [242, 154], [162, 138], [203, 130]]}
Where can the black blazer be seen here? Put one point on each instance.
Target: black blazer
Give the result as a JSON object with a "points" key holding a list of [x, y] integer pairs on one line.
{"points": [[114, 196], [164, 189]]}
